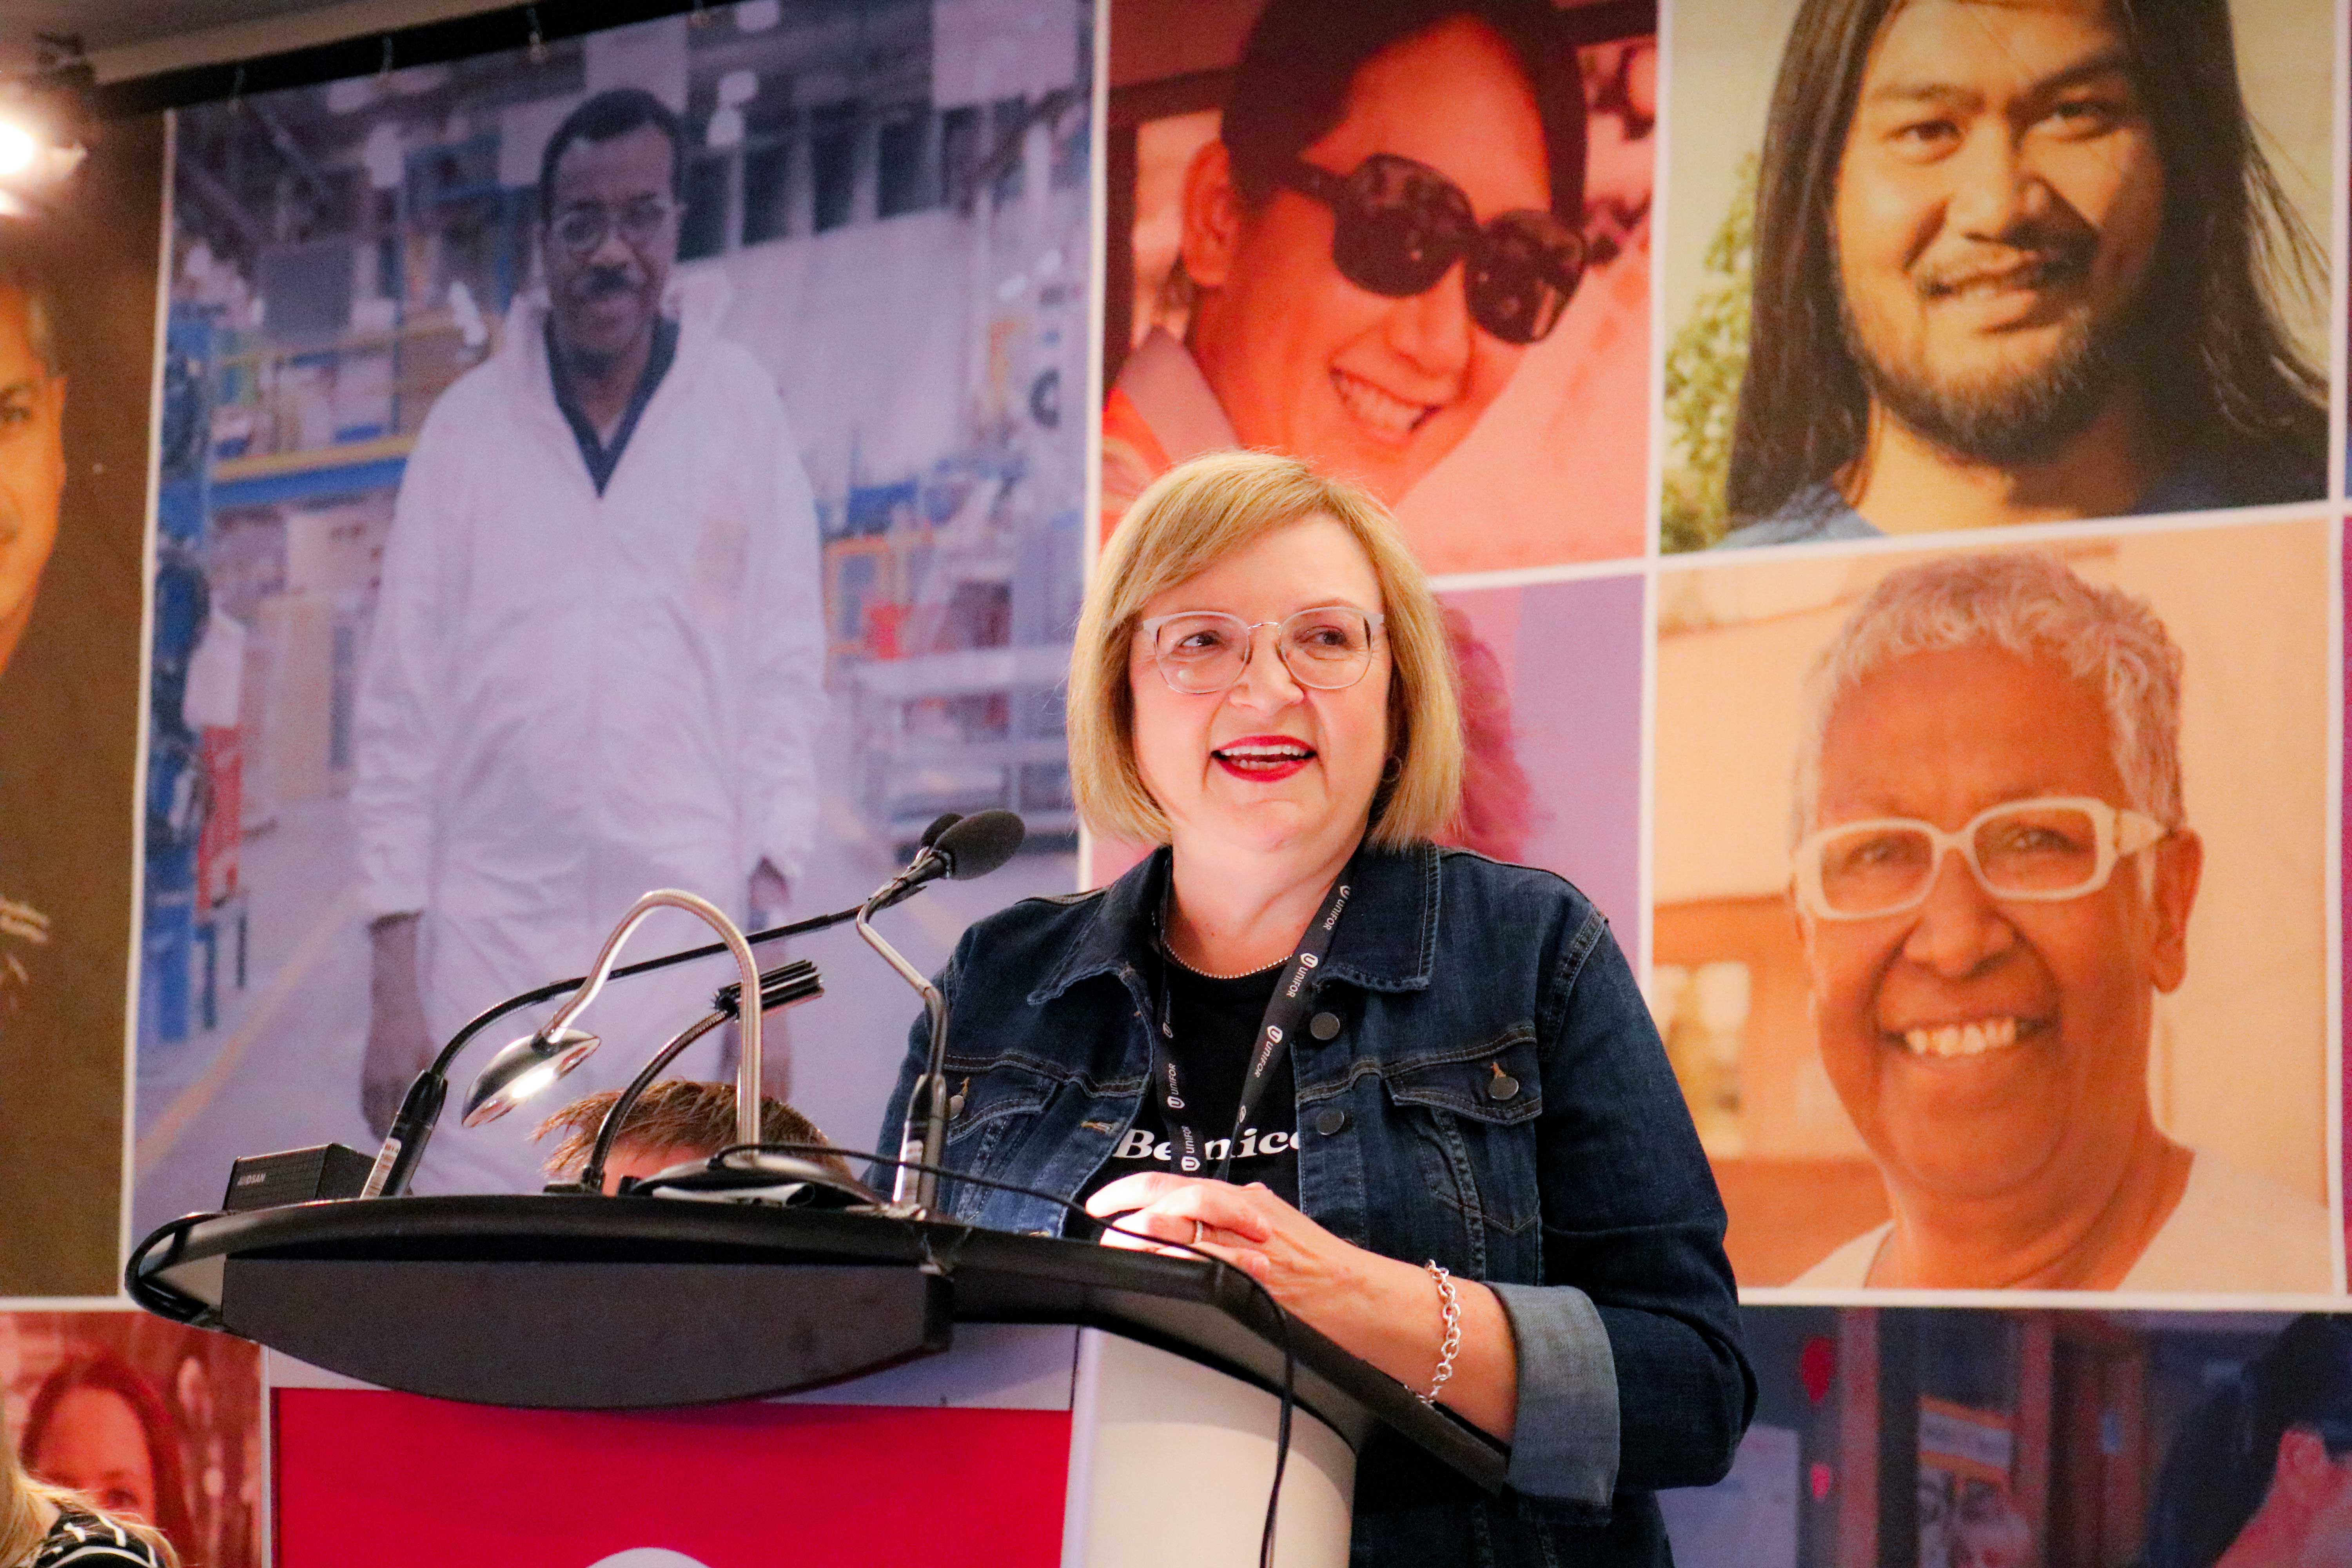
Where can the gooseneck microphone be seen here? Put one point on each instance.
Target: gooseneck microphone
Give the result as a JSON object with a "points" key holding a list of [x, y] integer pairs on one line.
{"points": [[420, 1110], [971, 848]]}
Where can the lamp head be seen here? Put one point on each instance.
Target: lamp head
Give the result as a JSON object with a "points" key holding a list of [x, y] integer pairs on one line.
{"points": [[524, 1069], [41, 119]]}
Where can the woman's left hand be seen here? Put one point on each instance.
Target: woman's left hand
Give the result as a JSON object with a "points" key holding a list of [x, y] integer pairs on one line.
{"points": [[1386, 1312]]}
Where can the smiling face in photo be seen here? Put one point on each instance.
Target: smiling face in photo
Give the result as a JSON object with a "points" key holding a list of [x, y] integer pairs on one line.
{"points": [[604, 296], [1998, 211], [1984, 1044], [1267, 762], [1305, 362]]}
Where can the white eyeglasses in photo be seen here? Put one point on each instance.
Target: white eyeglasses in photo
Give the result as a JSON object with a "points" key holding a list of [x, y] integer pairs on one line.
{"points": [[2041, 850]]}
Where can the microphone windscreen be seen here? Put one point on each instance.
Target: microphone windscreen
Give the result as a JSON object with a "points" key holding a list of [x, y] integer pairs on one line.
{"points": [[939, 825], [981, 843]]}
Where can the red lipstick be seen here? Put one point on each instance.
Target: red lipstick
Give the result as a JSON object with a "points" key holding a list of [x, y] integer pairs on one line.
{"points": [[1263, 759]]}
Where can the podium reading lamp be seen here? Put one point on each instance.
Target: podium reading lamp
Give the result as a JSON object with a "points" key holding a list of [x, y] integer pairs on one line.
{"points": [[532, 1063], [420, 1109]]}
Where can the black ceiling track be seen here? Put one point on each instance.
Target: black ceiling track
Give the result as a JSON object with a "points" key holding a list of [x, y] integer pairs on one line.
{"points": [[515, 27], [428, 43]]}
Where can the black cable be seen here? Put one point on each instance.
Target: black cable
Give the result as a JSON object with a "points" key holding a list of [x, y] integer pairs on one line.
{"points": [[592, 1175], [553, 988], [793, 983], [1281, 1314], [420, 1109]]}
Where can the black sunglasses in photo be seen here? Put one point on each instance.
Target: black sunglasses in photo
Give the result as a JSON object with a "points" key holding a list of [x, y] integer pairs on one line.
{"points": [[1399, 225]]}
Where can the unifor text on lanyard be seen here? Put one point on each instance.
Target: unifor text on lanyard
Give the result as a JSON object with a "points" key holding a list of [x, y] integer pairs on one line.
{"points": [[1284, 1012]]}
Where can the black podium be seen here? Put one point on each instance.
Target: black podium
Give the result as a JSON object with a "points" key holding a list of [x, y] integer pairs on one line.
{"points": [[1161, 1372]]}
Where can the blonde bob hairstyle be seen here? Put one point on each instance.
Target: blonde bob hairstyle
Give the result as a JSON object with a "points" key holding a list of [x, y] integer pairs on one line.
{"points": [[1193, 517], [22, 1526]]}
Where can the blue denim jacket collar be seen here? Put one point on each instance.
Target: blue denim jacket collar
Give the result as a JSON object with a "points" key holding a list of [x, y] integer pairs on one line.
{"points": [[1386, 942]]}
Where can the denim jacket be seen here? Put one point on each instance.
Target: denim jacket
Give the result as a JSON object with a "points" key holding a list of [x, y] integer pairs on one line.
{"points": [[1495, 1099]]}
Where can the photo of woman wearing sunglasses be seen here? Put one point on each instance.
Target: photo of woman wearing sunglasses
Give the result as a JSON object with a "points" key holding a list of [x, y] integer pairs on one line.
{"points": [[1379, 252]]}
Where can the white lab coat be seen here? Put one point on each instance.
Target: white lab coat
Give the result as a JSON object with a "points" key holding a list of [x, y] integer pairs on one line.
{"points": [[570, 699]]}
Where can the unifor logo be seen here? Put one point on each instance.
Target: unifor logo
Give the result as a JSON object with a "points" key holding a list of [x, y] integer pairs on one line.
{"points": [[1274, 1033], [1308, 961]]}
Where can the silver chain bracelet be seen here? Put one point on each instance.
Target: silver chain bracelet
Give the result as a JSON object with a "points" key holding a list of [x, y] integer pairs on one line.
{"points": [[1449, 1307]]}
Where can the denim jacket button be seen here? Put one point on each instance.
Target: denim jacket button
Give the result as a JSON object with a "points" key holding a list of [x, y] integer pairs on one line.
{"points": [[1330, 1122], [1324, 1026]]}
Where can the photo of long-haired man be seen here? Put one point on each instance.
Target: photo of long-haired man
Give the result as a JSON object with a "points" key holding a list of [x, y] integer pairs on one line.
{"points": [[1405, 240], [1994, 263]]}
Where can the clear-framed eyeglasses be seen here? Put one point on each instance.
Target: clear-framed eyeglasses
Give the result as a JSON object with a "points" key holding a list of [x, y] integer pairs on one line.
{"points": [[584, 227], [1199, 652], [2039, 851]]}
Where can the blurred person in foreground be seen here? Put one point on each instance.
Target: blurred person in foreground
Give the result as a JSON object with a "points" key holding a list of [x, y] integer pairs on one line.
{"points": [[109, 1494], [2017, 262], [2259, 1475], [597, 659], [1391, 215], [1993, 877], [673, 1121], [1299, 991]]}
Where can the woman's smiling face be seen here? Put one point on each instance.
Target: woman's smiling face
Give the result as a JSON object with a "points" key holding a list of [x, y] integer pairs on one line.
{"points": [[1267, 763], [1304, 361]]}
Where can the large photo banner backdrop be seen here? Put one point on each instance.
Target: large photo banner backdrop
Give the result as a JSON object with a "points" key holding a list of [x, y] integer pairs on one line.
{"points": [[1953, 1438], [1987, 1047], [637, 461], [1945, 264], [77, 315], [1880, 460], [1410, 242], [1291, 185]]}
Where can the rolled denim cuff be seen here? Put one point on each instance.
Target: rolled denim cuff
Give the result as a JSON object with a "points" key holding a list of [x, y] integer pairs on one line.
{"points": [[1564, 1438]]}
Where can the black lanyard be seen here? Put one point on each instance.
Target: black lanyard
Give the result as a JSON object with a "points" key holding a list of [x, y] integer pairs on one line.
{"points": [[1284, 1012]]}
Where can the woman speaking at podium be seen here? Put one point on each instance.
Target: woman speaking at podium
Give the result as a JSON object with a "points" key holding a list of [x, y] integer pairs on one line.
{"points": [[1413, 1091]]}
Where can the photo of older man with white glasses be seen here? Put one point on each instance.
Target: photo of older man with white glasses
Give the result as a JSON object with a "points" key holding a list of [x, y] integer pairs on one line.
{"points": [[1994, 869]]}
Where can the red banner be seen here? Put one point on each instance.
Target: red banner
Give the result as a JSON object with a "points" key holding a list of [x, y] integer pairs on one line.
{"points": [[368, 1479]]}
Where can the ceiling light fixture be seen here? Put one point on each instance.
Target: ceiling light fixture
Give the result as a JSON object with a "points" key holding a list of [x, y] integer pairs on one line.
{"points": [[41, 120]]}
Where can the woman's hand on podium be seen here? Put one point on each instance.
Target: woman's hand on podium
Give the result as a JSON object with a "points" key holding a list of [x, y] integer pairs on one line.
{"points": [[1386, 1312]]}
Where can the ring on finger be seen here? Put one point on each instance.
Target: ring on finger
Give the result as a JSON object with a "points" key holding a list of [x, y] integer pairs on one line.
{"points": [[1199, 1230]]}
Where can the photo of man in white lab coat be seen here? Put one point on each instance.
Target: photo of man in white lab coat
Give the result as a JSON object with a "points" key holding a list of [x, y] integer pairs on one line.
{"points": [[597, 660]]}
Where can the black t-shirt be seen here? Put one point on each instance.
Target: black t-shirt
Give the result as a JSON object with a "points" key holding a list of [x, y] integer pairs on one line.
{"points": [[1215, 1022]]}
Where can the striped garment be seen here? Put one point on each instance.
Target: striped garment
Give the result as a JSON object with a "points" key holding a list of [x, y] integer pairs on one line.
{"points": [[85, 1541]]}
